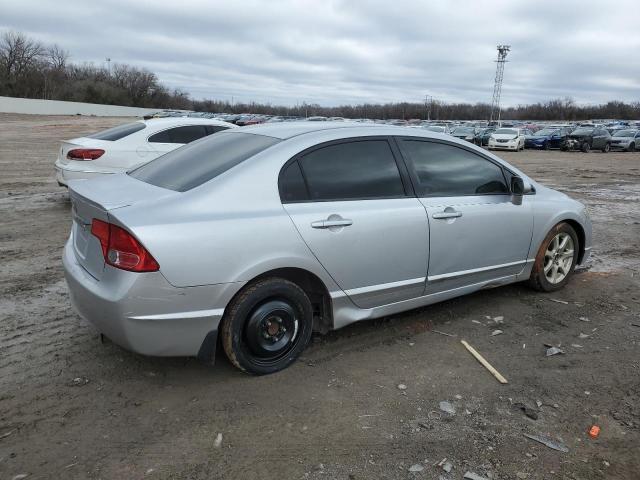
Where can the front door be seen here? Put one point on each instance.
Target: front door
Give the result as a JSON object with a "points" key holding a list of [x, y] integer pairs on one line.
{"points": [[477, 231], [348, 202]]}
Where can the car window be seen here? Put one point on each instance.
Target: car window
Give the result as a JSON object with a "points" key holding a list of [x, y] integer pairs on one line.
{"points": [[184, 134], [202, 160], [214, 129], [291, 184], [354, 170], [447, 170], [121, 131]]}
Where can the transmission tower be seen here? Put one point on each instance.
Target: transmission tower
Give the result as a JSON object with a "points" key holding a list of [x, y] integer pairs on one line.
{"points": [[497, 87]]}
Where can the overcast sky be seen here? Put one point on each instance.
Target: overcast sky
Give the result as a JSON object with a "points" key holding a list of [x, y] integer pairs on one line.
{"points": [[335, 52]]}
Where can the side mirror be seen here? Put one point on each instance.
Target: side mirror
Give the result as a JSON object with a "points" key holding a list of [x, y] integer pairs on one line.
{"points": [[517, 186]]}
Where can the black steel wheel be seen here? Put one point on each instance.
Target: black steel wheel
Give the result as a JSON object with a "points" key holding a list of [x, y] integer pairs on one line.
{"points": [[632, 147], [267, 326], [586, 147]]}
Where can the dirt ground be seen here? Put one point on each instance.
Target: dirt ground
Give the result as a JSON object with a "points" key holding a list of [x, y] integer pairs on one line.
{"points": [[71, 407]]}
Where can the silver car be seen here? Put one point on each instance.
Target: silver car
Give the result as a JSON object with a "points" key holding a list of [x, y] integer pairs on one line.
{"points": [[627, 139], [264, 234]]}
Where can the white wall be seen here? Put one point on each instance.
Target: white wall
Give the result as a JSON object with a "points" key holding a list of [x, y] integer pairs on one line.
{"points": [[56, 107]]}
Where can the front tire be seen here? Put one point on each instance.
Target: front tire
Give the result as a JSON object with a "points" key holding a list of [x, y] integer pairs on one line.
{"points": [[267, 326], [632, 147], [556, 259], [606, 148], [586, 147]]}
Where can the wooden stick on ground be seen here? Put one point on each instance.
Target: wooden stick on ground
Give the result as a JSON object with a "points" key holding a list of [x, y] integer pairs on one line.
{"points": [[486, 364]]}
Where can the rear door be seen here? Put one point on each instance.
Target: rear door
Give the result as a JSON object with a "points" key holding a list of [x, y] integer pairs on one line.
{"points": [[357, 213], [477, 231]]}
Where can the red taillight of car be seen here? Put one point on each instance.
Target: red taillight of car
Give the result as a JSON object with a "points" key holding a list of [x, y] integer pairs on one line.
{"points": [[85, 153], [120, 249]]}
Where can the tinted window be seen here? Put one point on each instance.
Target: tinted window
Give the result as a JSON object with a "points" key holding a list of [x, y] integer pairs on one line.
{"points": [[121, 131], [291, 184], [184, 134], [200, 161], [363, 169], [445, 170], [215, 129]]}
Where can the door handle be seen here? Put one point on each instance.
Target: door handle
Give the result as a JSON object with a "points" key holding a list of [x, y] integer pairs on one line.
{"points": [[444, 215], [331, 223]]}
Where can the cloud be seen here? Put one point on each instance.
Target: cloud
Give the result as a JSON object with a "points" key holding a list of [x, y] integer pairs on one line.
{"points": [[333, 52]]}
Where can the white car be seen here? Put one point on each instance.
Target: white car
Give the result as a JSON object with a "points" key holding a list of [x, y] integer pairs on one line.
{"points": [[507, 139], [121, 148]]}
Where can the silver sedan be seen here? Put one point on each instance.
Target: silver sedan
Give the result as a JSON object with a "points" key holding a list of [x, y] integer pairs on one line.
{"points": [[264, 234]]}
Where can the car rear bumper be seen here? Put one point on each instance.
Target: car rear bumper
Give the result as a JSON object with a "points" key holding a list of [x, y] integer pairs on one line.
{"points": [[143, 313]]}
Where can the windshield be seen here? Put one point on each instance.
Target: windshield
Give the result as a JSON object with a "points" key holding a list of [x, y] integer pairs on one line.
{"points": [[200, 161], [625, 133], [546, 132], [465, 130], [582, 131], [506, 131]]}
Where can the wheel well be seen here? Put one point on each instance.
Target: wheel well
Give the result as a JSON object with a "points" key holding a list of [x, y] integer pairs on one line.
{"points": [[315, 290], [581, 237]]}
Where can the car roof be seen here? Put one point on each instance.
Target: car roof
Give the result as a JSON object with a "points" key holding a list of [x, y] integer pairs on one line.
{"points": [[286, 130], [169, 121]]}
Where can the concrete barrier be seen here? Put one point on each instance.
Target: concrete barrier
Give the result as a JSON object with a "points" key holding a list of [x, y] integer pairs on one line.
{"points": [[57, 107]]}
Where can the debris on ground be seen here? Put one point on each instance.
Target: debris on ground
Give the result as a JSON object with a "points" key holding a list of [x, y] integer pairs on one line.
{"points": [[528, 411], [20, 476], [558, 301], [548, 442], [575, 345], [416, 468], [79, 381], [473, 476], [496, 332], [635, 324], [484, 363], [217, 443], [594, 431], [5, 435], [498, 319], [583, 335], [402, 386], [447, 407], [447, 467], [443, 333], [554, 351], [584, 319]]}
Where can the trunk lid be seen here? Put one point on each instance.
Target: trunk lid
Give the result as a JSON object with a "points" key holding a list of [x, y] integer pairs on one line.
{"points": [[95, 199]]}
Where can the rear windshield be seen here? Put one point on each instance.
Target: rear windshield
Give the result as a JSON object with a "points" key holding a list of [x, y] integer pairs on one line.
{"points": [[506, 131], [121, 131], [200, 161]]}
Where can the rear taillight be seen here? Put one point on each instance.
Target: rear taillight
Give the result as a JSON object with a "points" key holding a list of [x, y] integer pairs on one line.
{"points": [[85, 153], [122, 250]]}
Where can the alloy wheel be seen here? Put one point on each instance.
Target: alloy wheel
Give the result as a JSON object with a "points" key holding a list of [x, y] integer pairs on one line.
{"points": [[558, 258]]}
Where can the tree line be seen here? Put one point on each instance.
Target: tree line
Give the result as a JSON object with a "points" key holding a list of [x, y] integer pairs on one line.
{"points": [[30, 69]]}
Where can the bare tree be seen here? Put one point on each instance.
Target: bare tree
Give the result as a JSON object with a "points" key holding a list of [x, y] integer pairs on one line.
{"points": [[57, 57], [18, 53]]}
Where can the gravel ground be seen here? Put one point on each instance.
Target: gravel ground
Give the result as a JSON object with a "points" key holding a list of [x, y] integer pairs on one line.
{"points": [[71, 407]]}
